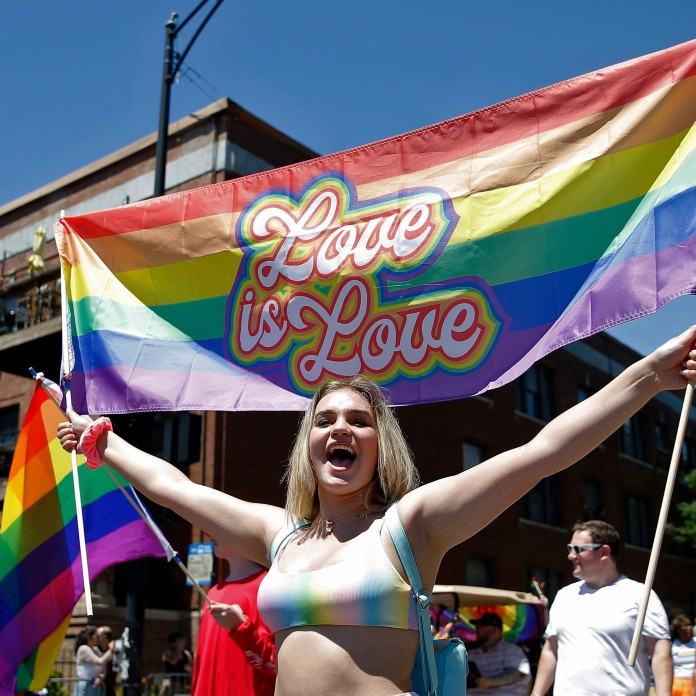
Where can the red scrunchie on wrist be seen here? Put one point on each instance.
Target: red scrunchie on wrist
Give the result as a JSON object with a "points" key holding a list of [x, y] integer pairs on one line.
{"points": [[88, 441]]}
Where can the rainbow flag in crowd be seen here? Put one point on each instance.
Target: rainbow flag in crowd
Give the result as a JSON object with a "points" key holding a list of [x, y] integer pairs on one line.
{"points": [[40, 568], [441, 263], [521, 622]]}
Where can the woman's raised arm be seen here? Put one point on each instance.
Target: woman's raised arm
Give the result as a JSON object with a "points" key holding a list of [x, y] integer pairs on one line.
{"points": [[246, 527], [453, 509]]}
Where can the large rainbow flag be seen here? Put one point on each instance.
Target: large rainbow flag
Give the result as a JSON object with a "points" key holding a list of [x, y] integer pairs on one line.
{"points": [[441, 263], [40, 570]]}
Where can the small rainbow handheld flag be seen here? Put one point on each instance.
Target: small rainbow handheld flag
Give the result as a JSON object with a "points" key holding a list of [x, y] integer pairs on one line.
{"points": [[441, 263], [40, 570]]}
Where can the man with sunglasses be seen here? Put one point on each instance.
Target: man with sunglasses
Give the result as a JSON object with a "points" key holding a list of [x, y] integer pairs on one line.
{"points": [[591, 624]]}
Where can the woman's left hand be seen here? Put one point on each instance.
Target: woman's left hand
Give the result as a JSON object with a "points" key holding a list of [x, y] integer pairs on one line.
{"points": [[675, 361]]}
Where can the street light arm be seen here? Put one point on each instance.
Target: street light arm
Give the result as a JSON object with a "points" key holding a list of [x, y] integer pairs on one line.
{"points": [[181, 57], [192, 14], [172, 63]]}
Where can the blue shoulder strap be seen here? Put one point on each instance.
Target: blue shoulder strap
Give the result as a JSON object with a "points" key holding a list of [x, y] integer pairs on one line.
{"points": [[283, 536], [403, 548]]}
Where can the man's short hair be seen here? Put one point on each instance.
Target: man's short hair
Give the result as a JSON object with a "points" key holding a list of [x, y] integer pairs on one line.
{"points": [[602, 533]]}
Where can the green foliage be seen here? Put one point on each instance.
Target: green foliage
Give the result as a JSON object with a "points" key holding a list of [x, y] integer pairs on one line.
{"points": [[56, 688], [685, 533]]}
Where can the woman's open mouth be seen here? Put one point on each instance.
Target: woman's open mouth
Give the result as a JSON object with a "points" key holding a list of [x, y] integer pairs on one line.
{"points": [[341, 455]]}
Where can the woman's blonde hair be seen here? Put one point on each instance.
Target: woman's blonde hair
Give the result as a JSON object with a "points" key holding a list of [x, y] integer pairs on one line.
{"points": [[395, 474]]}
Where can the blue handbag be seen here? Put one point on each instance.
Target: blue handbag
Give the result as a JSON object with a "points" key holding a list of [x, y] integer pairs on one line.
{"points": [[441, 665]]}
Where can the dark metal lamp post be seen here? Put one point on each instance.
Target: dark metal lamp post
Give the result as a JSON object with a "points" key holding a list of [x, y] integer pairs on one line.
{"points": [[172, 63]]}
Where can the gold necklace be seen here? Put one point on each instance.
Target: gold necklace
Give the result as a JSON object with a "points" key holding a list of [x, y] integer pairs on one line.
{"points": [[356, 514]]}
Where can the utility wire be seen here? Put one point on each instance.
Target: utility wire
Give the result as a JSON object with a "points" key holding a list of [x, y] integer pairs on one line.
{"points": [[200, 82]]}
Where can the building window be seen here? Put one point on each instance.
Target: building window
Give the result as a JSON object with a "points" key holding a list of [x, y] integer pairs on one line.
{"points": [[631, 440], [593, 500], [541, 503], [583, 393], [688, 454], [177, 437], [534, 392], [472, 455], [638, 522], [478, 572], [172, 436], [9, 430], [662, 437], [550, 581]]}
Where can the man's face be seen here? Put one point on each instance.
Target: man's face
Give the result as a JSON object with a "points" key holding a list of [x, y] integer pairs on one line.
{"points": [[103, 638], [587, 563], [488, 635]]}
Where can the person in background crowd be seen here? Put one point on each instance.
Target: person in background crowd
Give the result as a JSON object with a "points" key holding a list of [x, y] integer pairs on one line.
{"points": [[176, 659], [105, 642], [591, 625], [235, 653], [503, 667], [90, 663], [683, 656]]}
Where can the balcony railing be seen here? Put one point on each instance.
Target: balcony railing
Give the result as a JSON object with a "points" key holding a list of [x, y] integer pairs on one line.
{"points": [[28, 303]]}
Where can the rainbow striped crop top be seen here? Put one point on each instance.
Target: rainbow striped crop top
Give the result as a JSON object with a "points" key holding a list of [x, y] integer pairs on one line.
{"points": [[364, 590]]}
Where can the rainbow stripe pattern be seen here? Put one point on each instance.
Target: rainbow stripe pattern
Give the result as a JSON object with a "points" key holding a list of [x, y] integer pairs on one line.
{"points": [[441, 263], [371, 593], [34, 672], [40, 570], [521, 622]]}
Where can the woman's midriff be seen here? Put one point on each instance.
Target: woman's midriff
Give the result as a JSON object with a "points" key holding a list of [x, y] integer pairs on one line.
{"points": [[345, 661]]}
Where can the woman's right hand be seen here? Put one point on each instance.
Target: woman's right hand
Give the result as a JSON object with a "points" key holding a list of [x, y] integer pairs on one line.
{"points": [[69, 432]]}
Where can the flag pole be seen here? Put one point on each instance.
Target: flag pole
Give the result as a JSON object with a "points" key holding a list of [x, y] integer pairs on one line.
{"points": [[39, 377], [661, 523], [187, 572], [73, 454], [149, 523]]}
